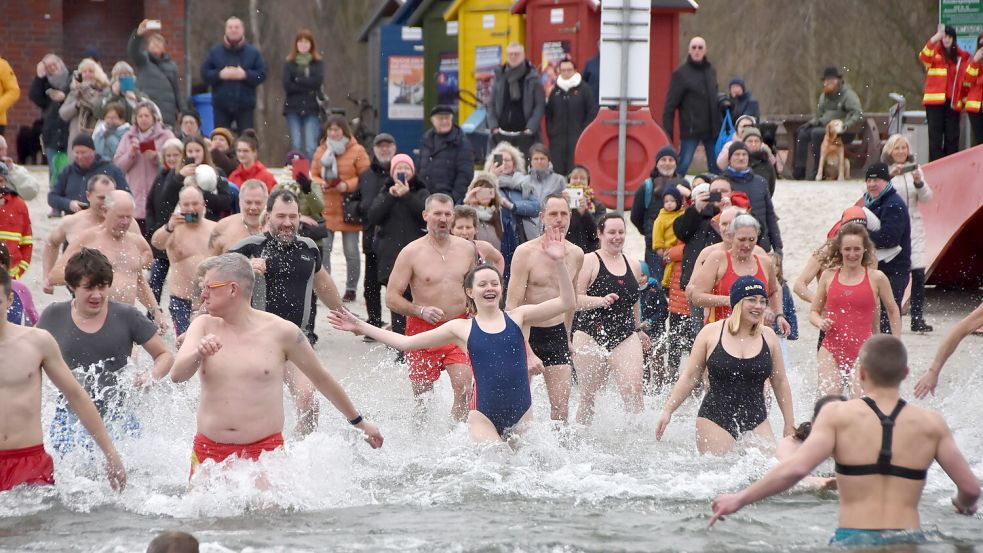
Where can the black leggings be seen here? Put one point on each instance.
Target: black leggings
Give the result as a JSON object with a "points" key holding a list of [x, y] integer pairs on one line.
{"points": [[917, 296], [976, 123], [943, 131]]}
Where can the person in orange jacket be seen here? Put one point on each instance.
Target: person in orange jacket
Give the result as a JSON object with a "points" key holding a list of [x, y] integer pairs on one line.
{"points": [[9, 92], [973, 92], [944, 63]]}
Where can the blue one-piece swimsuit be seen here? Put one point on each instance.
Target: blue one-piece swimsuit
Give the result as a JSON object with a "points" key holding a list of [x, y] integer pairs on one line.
{"points": [[501, 377]]}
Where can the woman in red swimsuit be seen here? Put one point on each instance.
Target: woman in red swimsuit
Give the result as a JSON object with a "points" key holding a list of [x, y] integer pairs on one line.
{"points": [[711, 281], [846, 307]]}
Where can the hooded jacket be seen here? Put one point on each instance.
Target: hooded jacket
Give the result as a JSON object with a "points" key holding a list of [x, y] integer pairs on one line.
{"points": [[745, 104], [70, 184], [398, 222], [15, 230], [446, 163], [692, 91], [157, 77], [371, 183], [756, 189], [895, 231]]}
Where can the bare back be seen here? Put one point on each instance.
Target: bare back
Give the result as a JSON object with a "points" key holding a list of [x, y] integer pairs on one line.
{"points": [[534, 278], [20, 388], [879, 501], [186, 250], [436, 279], [242, 384]]}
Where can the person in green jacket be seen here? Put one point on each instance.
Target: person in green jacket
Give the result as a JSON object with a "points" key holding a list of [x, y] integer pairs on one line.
{"points": [[837, 101]]}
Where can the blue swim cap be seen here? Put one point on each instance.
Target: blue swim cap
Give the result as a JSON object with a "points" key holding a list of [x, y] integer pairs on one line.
{"points": [[744, 287]]}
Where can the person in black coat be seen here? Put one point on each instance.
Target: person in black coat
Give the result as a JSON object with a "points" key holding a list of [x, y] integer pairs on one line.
{"points": [[569, 109], [48, 91], [742, 102], [695, 228], [397, 215], [743, 179], [156, 72], [693, 92], [370, 184], [233, 69], [303, 76], [893, 239], [446, 156]]}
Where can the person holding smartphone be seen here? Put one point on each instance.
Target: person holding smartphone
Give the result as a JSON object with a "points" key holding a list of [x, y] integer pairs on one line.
{"points": [[138, 157], [156, 73], [483, 197], [909, 182]]}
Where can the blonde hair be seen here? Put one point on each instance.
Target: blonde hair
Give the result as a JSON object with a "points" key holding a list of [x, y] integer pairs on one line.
{"points": [[97, 70], [890, 144], [733, 322], [518, 160]]}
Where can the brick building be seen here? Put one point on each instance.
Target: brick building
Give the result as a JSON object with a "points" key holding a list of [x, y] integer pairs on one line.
{"points": [[33, 28]]}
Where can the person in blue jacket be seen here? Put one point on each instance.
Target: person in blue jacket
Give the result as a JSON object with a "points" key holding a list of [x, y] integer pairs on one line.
{"points": [[893, 239], [68, 193], [234, 68]]}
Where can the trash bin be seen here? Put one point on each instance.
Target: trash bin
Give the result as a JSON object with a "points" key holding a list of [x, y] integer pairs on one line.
{"points": [[485, 28], [203, 105]]}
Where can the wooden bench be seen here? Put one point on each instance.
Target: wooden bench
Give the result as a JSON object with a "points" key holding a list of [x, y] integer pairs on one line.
{"points": [[869, 136]]}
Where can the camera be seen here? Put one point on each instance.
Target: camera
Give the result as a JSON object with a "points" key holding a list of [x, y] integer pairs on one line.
{"points": [[715, 197], [190, 217]]}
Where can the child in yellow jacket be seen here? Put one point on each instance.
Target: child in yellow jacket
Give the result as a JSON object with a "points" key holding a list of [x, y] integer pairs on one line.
{"points": [[663, 237]]}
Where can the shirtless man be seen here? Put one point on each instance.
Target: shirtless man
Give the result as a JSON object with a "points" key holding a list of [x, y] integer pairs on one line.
{"points": [[248, 222], [241, 353], [96, 189], [26, 352], [534, 281], [877, 491], [433, 268], [128, 252], [185, 239]]}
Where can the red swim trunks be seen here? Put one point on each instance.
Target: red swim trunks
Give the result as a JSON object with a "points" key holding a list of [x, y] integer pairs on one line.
{"points": [[29, 465], [205, 449], [426, 364]]}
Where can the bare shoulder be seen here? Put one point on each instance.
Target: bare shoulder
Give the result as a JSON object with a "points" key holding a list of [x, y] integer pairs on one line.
{"points": [[525, 248], [716, 256], [770, 338], [932, 420], [574, 251]]}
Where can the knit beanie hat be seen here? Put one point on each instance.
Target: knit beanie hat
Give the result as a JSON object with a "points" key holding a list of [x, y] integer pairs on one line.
{"points": [[745, 287], [736, 146], [400, 158]]}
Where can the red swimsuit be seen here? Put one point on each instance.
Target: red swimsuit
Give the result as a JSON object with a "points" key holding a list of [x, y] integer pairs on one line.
{"points": [[851, 308], [723, 288]]}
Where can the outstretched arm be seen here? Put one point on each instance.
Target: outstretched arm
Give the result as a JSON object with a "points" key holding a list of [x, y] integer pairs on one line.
{"points": [[81, 404], [954, 464], [451, 332], [299, 352], [948, 346], [813, 451]]}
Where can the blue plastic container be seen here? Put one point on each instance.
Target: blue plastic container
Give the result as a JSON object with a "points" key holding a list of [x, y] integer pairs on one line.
{"points": [[203, 105]]}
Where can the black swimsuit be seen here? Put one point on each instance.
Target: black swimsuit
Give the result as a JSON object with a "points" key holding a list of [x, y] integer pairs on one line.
{"points": [[883, 465], [735, 400], [609, 326]]}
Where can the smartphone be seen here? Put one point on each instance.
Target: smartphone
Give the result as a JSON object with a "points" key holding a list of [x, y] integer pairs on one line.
{"points": [[300, 166], [84, 205], [78, 76], [189, 161], [127, 83], [497, 158], [715, 197], [153, 25], [190, 217], [908, 167], [148, 146]]}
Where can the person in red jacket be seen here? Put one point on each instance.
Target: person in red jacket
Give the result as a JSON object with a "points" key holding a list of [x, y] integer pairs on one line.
{"points": [[247, 150], [973, 92], [944, 63], [15, 226]]}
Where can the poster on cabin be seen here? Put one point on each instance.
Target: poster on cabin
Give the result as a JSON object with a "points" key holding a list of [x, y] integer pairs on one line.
{"points": [[405, 87]]}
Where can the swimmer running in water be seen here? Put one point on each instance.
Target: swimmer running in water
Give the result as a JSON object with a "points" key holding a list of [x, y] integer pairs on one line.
{"points": [[494, 340], [788, 446], [881, 459]]}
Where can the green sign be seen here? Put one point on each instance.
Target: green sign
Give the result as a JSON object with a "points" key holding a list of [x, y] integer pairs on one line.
{"points": [[967, 17]]}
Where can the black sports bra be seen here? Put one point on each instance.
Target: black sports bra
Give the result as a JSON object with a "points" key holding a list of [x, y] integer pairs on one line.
{"points": [[883, 465]]}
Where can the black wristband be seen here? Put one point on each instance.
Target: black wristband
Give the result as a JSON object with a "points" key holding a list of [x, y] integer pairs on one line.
{"points": [[356, 421]]}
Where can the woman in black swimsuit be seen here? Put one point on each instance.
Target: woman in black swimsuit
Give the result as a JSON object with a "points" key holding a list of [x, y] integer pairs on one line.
{"points": [[607, 335], [738, 362]]}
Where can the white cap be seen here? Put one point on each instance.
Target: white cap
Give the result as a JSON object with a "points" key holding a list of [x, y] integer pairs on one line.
{"points": [[206, 178]]}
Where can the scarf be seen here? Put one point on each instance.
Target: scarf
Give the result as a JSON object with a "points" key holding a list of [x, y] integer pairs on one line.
{"points": [[588, 194], [59, 81], [329, 159], [869, 201], [566, 84], [236, 45], [485, 212], [510, 182], [514, 77], [146, 135], [303, 62], [735, 173]]}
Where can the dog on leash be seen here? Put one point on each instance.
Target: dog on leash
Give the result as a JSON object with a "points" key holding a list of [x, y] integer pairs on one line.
{"points": [[832, 154]]}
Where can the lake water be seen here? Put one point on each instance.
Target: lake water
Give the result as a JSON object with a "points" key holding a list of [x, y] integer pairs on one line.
{"points": [[607, 488]]}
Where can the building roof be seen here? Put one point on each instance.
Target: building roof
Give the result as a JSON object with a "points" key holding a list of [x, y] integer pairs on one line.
{"points": [[406, 13], [386, 9]]}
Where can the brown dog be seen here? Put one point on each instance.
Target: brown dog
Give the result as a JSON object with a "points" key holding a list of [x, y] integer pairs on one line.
{"points": [[832, 154]]}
